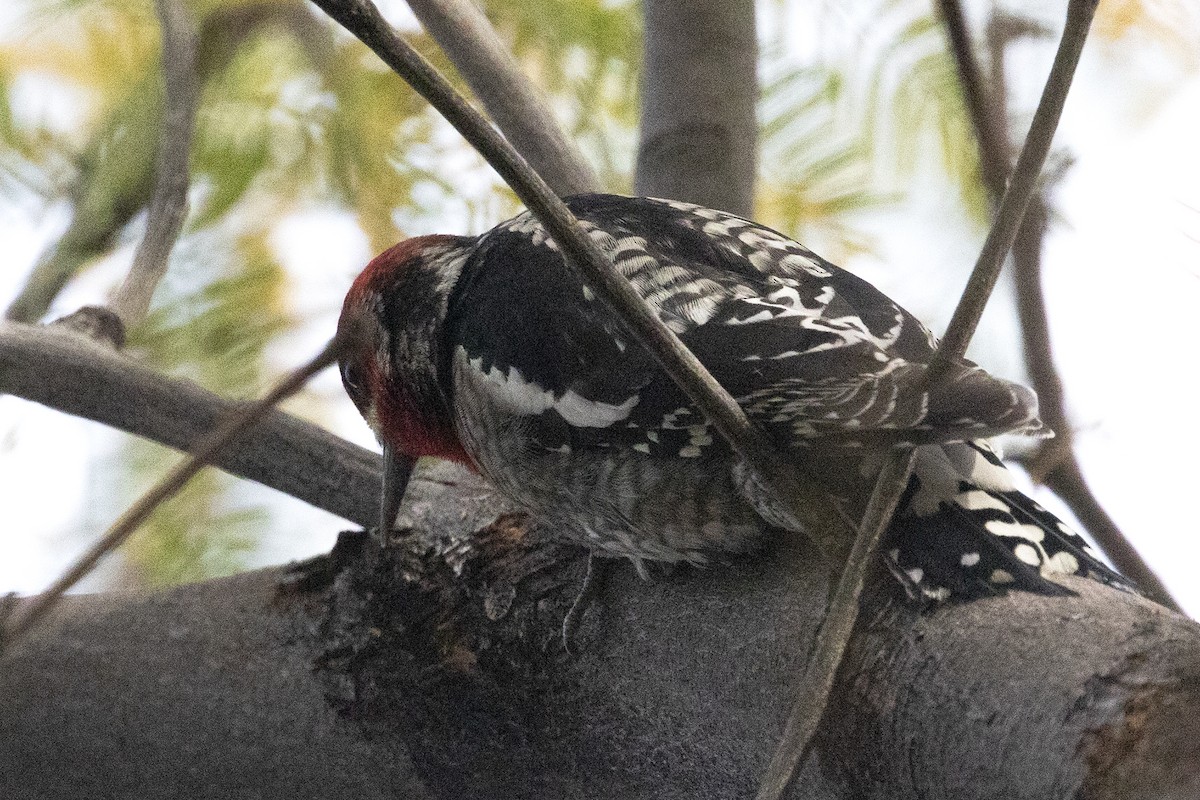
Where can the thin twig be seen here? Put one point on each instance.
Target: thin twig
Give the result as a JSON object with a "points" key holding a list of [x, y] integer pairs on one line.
{"points": [[1020, 189], [826, 524], [1056, 464], [168, 206], [831, 644], [1067, 481], [990, 130], [512, 100], [172, 483], [816, 683]]}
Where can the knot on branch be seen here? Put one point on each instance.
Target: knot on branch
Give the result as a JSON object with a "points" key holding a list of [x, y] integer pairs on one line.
{"points": [[97, 323], [485, 608]]}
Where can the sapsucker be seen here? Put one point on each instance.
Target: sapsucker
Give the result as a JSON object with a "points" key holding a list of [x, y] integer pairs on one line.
{"points": [[488, 350]]}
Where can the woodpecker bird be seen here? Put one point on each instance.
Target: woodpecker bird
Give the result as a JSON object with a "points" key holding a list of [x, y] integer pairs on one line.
{"points": [[489, 351]]}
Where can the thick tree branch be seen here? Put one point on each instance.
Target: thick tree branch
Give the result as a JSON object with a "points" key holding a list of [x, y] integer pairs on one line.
{"points": [[432, 655], [519, 109], [49, 366], [1055, 464], [699, 99], [824, 521], [205, 450], [168, 205]]}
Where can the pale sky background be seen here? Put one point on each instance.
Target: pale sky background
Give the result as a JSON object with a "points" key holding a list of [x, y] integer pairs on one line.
{"points": [[1122, 278]]}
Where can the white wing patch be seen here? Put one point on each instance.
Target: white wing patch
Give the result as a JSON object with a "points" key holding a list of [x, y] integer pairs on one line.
{"points": [[977, 499], [578, 410], [1031, 533], [1031, 551], [1062, 562], [510, 390]]}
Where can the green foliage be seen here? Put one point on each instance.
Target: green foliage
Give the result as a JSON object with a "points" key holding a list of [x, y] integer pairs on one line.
{"points": [[925, 101], [375, 137], [223, 304], [240, 138], [193, 536], [28, 156], [816, 162], [116, 170], [586, 55]]}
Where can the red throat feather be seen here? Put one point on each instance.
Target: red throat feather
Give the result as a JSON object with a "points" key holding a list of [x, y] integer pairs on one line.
{"points": [[402, 422], [410, 429]]}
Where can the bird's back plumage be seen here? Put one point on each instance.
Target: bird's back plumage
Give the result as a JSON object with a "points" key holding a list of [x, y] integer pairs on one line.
{"points": [[562, 408]]}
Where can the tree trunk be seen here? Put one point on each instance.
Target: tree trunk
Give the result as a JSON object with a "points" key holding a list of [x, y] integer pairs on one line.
{"points": [[699, 95]]}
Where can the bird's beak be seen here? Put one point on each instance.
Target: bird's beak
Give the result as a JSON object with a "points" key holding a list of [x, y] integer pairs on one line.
{"points": [[396, 470]]}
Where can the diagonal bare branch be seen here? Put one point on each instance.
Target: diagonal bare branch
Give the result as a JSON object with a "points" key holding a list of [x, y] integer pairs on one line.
{"points": [[1021, 186], [815, 684], [1056, 464], [168, 205], [986, 114], [833, 637]]}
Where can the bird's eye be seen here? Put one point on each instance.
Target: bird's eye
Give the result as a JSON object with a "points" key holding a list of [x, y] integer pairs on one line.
{"points": [[351, 377]]}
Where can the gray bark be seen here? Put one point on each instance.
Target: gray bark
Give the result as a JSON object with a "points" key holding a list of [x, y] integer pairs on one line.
{"points": [[168, 205], [699, 94], [434, 670]]}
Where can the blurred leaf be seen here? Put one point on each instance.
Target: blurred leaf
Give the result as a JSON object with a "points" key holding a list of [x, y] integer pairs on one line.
{"points": [[194, 535], [371, 133], [1169, 24], [815, 156], [116, 171], [217, 333], [586, 56], [914, 93], [104, 46]]}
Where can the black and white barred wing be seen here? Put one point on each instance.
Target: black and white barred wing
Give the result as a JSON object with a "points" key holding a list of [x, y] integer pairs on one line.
{"points": [[809, 350], [812, 352], [534, 342]]}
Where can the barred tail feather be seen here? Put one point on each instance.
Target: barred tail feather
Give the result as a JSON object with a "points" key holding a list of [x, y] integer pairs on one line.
{"points": [[1075, 551], [964, 532]]}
